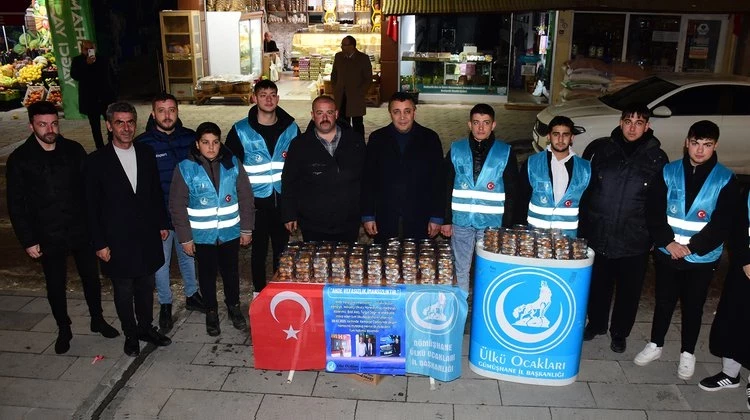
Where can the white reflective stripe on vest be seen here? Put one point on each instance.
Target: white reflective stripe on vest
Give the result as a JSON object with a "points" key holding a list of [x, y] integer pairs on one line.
{"points": [[544, 224], [477, 208], [254, 169], [557, 211], [481, 195], [213, 211], [223, 211], [214, 224], [682, 239], [264, 179], [684, 224]]}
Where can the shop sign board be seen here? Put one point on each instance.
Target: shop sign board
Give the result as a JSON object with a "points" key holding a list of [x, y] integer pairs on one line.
{"points": [[456, 89], [528, 318], [69, 22]]}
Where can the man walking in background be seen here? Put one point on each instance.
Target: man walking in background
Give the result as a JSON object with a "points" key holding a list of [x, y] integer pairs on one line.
{"points": [[351, 77]]}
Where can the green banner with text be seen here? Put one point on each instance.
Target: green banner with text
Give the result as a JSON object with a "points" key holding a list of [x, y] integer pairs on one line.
{"points": [[69, 21]]}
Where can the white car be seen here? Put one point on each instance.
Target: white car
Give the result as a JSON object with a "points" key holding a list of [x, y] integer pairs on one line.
{"points": [[676, 102]]}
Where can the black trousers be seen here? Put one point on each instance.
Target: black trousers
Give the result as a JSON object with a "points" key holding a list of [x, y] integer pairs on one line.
{"points": [[357, 123], [96, 126], [55, 267], [397, 227], [691, 288], [222, 258], [624, 278], [349, 236], [267, 226], [134, 302]]}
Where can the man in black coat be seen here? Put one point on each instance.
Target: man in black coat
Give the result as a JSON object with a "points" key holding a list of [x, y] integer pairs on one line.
{"points": [[128, 221], [613, 220], [403, 189], [95, 87], [45, 203], [322, 178]]}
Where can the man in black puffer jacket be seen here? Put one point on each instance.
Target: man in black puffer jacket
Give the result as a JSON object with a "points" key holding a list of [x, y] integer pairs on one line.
{"points": [[614, 223], [45, 204], [322, 178]]}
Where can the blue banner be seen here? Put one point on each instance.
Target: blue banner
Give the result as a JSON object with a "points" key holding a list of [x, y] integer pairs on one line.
{"points": [[435, 321], [365, 329], [528, 318]]}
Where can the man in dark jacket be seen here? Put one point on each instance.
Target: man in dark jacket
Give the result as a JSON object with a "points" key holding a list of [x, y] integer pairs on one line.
{"points": [[614, 223], [260, 142], [689, 214], [171, 143], [45, 203], [403, 189], [127, 222], [322, 178], [95, 87]]}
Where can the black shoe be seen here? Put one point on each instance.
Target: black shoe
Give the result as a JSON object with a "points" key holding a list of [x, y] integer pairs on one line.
{"points": [[165, 317], [235, 314], [212, 323], [195, 303], [719, 381], [102, 327], [618, 344], [64, 335], [132, 348], [589, 333], [154, 337]]}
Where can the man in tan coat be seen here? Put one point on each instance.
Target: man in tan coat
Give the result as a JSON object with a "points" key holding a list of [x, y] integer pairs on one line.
{"points": [[351, 77]]}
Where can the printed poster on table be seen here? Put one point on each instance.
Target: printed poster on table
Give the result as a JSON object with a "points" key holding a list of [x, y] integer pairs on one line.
{"points": [[365, 329], [435, 321]]}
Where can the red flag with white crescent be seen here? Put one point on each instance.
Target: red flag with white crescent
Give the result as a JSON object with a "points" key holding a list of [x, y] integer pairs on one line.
{"points": [[392, 29], [288, 327]]}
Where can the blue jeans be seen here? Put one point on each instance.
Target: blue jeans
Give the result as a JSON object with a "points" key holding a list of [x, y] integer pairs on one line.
{"points": [[187, 269], [463, 242]]}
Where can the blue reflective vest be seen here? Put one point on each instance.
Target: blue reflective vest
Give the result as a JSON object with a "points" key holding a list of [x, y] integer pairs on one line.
{"points": [[482, 204], [543, 211], [263, 170], [685, 225], [213, 216]]}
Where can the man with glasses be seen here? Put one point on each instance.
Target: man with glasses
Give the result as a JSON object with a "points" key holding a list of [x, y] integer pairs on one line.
{"points": [[613, 220], [322, 176], [351, 77], [260, 142], [553, 181]]}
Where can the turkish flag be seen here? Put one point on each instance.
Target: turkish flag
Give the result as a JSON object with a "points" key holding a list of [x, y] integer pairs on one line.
{"points": [[392, 29], [288, 327]]}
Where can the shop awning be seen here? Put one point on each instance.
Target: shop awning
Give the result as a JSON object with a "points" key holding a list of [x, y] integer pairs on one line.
{"points": [[411, 7], [12, 12]]}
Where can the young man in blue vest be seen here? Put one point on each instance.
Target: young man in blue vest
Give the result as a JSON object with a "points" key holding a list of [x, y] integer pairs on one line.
{"points": [[689, 214], [482, 177], [552, 182], [171, 142], [261, 142]]}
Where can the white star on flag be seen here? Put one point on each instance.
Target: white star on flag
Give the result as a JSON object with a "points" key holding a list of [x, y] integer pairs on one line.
{"points": [[291, 333]]}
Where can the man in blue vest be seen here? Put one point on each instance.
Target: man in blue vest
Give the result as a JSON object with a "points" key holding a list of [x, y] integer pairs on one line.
{"points": [[689, 214], [482, 177], [552, 182], [261, 142], [171, 142]]}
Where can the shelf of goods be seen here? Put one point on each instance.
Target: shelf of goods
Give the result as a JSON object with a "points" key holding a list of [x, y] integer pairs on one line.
{"points": [[182, 49]]}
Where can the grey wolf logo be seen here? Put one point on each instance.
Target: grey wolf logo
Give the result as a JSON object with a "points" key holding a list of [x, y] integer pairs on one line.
{"points": [[436, 310], [532, 314]]}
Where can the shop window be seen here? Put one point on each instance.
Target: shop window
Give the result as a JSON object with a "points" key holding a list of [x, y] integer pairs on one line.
{"points": [[700, 100], [701, 45], [652, 42], [598, 35]]}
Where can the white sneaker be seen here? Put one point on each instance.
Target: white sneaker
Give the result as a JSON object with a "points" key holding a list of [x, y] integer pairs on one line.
{"points": [[649, 353], [686, 367]]}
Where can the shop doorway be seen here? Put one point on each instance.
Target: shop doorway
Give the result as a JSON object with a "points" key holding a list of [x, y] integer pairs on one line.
{"points": [[531, 57]]}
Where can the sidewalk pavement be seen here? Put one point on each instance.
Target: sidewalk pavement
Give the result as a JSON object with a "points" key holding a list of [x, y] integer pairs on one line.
{"points": [[213, 377]]}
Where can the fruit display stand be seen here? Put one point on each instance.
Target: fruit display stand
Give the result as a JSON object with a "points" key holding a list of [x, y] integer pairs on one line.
{"points": [[34, 93], [212, 88]]}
